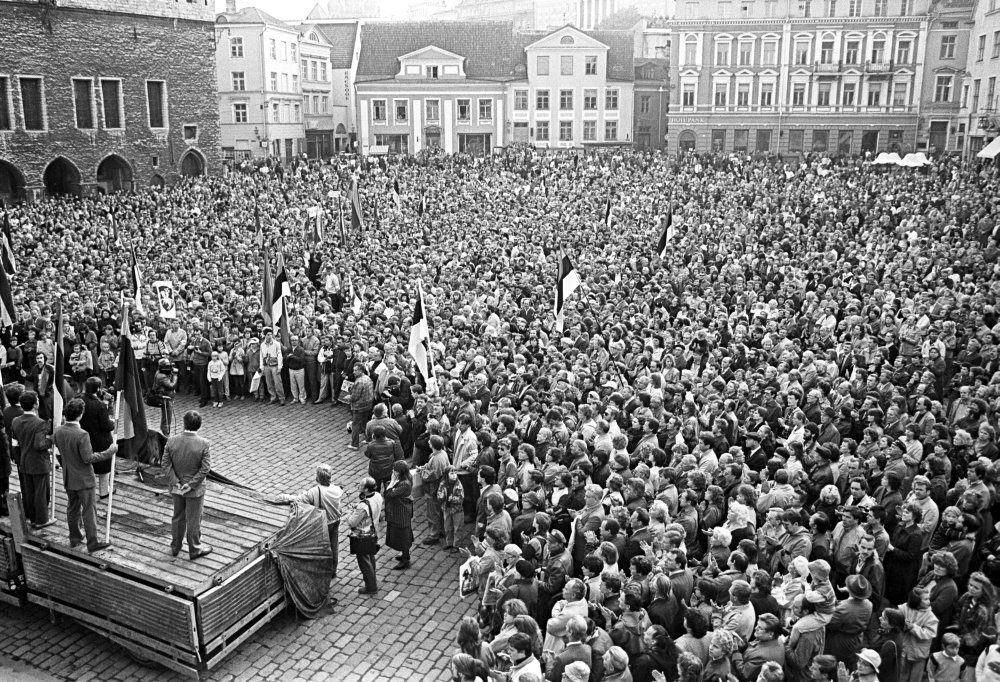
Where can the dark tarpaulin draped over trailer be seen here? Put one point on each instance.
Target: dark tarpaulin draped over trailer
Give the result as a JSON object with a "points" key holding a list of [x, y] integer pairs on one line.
{"points": [[302, 550]]}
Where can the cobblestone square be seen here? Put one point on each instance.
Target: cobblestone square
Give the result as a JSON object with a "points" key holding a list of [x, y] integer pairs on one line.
{"points": [[406, 631]]}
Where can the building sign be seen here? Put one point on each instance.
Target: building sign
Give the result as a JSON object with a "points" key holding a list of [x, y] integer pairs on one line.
{"points": [[689, 120]]}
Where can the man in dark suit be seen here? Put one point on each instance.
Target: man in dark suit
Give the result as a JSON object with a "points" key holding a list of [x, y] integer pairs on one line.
{"points": [[78, 476], [31, 433], [100, 427], [187, 462]]}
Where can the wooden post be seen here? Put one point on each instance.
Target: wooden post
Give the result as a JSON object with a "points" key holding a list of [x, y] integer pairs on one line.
{"points": [[111, 483]]}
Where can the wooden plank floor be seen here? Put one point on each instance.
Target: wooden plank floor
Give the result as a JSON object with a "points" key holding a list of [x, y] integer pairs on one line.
{"points": [[235, 523]]}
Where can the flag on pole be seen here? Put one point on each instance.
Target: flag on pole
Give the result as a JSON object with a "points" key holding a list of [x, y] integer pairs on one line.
{"points": [[59, 365], [420, 340], [397, 196], [315, 266], [608, 214], [7, 254], [667, 234], [116, 237], [135, 279], [545, 188], [317, 231], [357, 215], [132, 423], [282, 296], [567, 281], [340, 217], [259, 235], [165, 295], [422, 208], [266, 291], [378, 222], [7, 314], [356, 303]]}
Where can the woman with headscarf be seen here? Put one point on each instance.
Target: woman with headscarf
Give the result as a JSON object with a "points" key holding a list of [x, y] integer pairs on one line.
{"points": [[399, 513], [902, 557]]}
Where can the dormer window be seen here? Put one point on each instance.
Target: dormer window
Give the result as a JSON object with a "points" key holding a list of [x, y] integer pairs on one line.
{"points": [[432, 72]]}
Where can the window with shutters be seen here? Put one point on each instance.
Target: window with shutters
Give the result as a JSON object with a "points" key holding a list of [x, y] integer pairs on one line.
{"points": [[156, 100], [83, 103], [32, 103]]}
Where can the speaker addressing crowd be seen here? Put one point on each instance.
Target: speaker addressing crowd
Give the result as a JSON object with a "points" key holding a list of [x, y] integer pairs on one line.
{"points": [[763, 447]]}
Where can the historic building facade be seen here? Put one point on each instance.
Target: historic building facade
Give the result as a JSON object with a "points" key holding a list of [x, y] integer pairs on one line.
{"points": [[832, 76], [979, 116], [101, 96]]}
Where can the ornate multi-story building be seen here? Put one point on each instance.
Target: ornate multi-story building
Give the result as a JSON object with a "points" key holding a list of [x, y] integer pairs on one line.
{"points": [[100, 95], [979, 117], [259, 86], [833, 76]]}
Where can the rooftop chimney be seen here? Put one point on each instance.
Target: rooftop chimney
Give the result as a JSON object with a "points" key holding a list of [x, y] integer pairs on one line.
{"points": [[230, 6]]}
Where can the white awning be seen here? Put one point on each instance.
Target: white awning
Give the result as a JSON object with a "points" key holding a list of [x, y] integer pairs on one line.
{"points": [[991, 150]]}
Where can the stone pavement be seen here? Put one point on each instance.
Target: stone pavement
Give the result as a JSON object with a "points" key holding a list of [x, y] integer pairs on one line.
{"points": [[405, 632]]}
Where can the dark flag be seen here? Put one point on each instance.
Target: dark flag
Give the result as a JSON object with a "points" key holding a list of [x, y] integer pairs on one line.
{"points": [[266, 290], [315, 266], [135, 279], [357, 215], [281, 297], [397, 196], [7, 253], [132, 412], [608, 213], [378, 222], [422, 208], [567, 280], [7, 315], [667, 234], [420, 341]]}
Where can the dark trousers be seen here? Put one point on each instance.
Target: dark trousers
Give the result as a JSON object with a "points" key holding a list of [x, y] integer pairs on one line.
{"points": [[82, 506], [366, 562], [359, 420], [186, 523], [312, 379], [201, 383], [184, 374], [338, 383], [166, 416], [36, 497], [334, 530]]}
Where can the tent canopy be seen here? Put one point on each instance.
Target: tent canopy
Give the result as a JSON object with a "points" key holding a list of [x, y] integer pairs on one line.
{"points": [[991, 150]]}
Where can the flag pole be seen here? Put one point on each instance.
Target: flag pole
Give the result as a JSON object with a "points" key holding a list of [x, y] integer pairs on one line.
{"points": [[114, 455]]}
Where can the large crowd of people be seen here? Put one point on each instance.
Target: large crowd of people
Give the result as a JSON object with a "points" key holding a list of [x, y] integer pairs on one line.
{"points": [[768, 455]]}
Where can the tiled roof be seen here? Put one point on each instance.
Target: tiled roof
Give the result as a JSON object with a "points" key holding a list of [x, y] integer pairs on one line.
{"points": [[252, 15], [488, 46], [341, 36], [621, 44]]}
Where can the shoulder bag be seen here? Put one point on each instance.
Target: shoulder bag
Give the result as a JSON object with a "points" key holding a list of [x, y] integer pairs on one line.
{"points": [[366, 541]]}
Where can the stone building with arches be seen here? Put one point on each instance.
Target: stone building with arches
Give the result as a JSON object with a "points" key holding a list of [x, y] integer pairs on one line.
{"points": [[100, 96]]}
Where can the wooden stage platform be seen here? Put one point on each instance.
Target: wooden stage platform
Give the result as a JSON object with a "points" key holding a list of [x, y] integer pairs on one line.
{"points": [[186, 615]]}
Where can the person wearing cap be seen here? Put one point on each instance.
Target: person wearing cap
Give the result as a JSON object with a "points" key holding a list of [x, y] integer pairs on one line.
{"points": [[324, 495], [845, 631]]}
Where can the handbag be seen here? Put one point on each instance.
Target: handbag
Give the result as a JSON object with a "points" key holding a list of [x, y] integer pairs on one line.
{"points": [[365, 542]]}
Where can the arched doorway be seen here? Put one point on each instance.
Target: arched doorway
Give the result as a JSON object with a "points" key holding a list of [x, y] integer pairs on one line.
{"points": [[192, 164], [11, 183], [156, 181], [61, 177], [114, 174], [687, 140]]}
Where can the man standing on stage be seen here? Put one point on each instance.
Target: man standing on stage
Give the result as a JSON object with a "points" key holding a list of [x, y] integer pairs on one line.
{"points": [[31, 433], [78, 476], [186, 460], [99, 425]]}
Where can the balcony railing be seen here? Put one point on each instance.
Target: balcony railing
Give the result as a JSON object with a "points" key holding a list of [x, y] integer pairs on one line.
{"points": [[878, 67]]}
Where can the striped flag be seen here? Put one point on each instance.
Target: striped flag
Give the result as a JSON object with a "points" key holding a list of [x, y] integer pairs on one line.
{"points": [[7, 314], [59, 365], [317, 232], [667, 234], [567, 280], [422, 208], [259, 235], [135, 279], [420, 340], [357, 215], [282, 296], [608, 214], [7, 253], [356, 302], [116, 237], [397, 196], [266, 290], [132, 425]]}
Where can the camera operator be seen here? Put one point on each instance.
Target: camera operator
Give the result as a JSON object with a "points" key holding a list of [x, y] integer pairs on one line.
{"points": [[100, 427], [162, 394]]}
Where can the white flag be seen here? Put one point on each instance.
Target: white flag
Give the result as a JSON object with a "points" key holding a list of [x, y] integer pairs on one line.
{"points": [[165, 295]]}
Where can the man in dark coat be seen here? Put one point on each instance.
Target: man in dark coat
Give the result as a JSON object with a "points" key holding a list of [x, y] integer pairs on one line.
{"points": [[31, 433], [187, 463], [99, 425], [78, 476], [382, 453]]}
